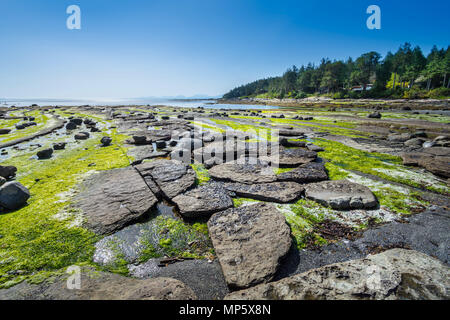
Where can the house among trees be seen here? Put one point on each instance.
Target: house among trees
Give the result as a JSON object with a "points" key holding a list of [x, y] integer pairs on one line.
{"points": [[361, 88]]}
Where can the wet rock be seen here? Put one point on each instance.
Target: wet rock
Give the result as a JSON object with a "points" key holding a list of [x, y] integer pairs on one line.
{"points": [[98, 285], [341, 195], [243, 173], [442, 141], [140, 140], [280, 192], [59, 146], [7, 171], [375, 115], [203, 201], [82, 136], [106, 141], [249, 242], [415, 142], [419, 134], [2, 181], [45, 154], [395, 274], [71, 126], [171, 176], [112, 199], [20, 126], [13, 195], [399, 137], [5, 131], [76, 121], [292, 133], [291, 143], [309, 172], [313, 147], [160, 144], [204, 277]]}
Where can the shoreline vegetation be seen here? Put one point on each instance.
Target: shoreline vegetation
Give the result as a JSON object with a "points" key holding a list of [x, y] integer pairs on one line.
{"points": [[407, 74]]}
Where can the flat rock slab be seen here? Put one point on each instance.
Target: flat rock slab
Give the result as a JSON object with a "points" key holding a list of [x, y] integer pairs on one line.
{"points": [[396, 274], [227, 150], [203, 201], [243, 173], [249, 242], [205, 278], [280, 192], [341, 195], [139, 153], [171, 176], [96, 285], [290, 157], [436, 164], [306, 173], [112, 199]]}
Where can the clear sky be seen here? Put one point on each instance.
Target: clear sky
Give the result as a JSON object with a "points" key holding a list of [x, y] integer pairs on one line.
{"points": [[141, 48]]}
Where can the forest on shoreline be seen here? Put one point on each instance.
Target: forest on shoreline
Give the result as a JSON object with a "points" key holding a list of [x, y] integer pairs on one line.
{"points": [[407, 73]]}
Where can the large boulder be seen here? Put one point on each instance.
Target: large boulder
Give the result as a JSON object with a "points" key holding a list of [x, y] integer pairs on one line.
{"points": [[105, 141], [171, 176], [243, 172], [249, 242], [309, 172], [98, 285], [112, 199], [341, 195], [45, 154], [13, 195], [396, 274], [7, 171], [203, 201], [281, 192], [82, 136]]}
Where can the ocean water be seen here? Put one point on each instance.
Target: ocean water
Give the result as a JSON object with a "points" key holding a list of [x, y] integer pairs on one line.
{"points": [[186, 103]]}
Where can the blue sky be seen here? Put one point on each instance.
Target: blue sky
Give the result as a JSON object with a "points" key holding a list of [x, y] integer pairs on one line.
{"points": [[140, 48]]}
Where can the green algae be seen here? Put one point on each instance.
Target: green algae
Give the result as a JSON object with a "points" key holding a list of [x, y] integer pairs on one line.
{"points": [[207, 126], [33, 240], [302, 218], [202, 175], [238, 202], [385, 166], [261, 132], [42, 120]]}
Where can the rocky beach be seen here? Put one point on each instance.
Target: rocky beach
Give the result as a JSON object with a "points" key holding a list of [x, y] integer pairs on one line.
{"points": [[323, 199]]}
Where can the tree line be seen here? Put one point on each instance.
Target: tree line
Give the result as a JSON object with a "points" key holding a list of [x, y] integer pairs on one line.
{"points": [[407, 73]]}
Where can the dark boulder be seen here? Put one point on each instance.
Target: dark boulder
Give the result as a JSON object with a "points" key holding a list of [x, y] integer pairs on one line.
{"points": [[7, 171], [45, 154], [13, 195]]}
